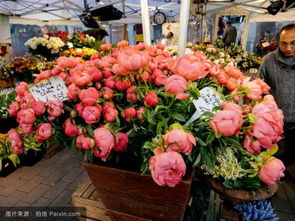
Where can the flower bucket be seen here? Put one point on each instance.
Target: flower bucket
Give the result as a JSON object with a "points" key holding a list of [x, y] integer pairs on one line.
{"points": [[7, 124], [238, 196], [31, 158], [138, 195], [7, 167]]}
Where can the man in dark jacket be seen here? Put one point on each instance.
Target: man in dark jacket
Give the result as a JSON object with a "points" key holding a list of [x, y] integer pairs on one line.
{"points": [[278, 71], [230, 34]]}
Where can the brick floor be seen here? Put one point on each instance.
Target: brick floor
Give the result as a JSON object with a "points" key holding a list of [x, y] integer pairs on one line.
{"points": [[50, 182]]}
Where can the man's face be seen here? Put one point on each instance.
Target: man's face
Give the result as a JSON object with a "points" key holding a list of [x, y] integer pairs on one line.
{"points": [[287, 42]]}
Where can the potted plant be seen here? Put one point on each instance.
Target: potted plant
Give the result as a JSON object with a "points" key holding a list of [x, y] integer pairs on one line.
{"points": [[133, 108]]}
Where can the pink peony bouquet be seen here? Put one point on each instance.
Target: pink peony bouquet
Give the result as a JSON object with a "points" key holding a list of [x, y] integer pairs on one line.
{"points": [[134, 108]]}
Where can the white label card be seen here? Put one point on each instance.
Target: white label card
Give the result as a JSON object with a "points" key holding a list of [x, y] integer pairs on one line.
{"points": [[206, 102], [265, 44], [51, 89]]}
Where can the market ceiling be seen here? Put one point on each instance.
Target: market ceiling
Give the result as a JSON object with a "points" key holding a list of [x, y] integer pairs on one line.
{"points": [[70, 9]]}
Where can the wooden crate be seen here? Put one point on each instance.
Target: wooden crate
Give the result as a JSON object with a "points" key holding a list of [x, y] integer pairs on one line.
{"points": [[86, 196], [52, 149]]}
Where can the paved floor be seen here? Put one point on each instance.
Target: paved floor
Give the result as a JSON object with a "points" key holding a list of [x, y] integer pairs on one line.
{"points": [[51, 182]]}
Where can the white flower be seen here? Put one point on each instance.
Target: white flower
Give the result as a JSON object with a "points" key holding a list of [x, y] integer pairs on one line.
{"points": [[70, 44], [221, 54], [46, 36]]}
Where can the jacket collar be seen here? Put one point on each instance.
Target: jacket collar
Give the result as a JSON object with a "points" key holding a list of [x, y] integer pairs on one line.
{"points": [[280, 57]]}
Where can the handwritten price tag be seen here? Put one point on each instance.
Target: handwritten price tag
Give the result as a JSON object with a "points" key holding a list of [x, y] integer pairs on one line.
{"points": [[51, 89], [206, 102]]}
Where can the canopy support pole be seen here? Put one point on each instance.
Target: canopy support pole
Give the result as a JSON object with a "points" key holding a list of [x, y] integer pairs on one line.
{"points": [[145, 21], [183, 23]]}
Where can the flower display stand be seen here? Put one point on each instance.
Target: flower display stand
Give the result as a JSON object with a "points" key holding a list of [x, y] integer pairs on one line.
{"points": [[130, 194]]}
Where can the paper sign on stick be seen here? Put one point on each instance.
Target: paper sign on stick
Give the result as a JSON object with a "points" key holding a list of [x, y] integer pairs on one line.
{"points": [[206, 102], [51, 89]]}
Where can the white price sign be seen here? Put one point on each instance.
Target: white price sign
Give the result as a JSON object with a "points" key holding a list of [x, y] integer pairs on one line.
{"points": [[206, 102], [51, 89]]}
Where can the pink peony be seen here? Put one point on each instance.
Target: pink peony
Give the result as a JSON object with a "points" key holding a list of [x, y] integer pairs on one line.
{"points": [[251, 145], [43, 75], [14, 137], [121, 141], [88, 143], [232, 106], [104, 141], [252, 88], [190, 67], [231, 84], [26, 128], [131, 97], [176, 84], [122, 44], [119, 70], [233, 72], [44, 132], [132, 60], [265, 133], [151, 99], [107, 93], [39, 107], [122, 85], [264, 86], [182, 96], [89, 96], [91, 114], [73, 92], [96, 73], [106, 47], [14, 108], [21, 89], [55, 108], [109, 112], [179, 140], [26, 116], [70, 129], [68, 62], [167, 168], [82, 78], [226, 122], [139, 113], [129, 114], [110, 82], [272, 171]]}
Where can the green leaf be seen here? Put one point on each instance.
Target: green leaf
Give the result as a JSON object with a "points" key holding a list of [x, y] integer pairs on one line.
{"points": [[179, 117], [252, 118], [210, 138], [201, 142], [14, 159], [161, 124], [90, 130], [197, 161]]}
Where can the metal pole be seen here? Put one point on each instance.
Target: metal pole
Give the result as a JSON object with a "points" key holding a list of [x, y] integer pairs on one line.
{"points": [[145, 21], [183, 23]]}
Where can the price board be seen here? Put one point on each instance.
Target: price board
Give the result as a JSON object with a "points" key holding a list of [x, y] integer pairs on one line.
{"points": [[51, 89], [207, 101]]}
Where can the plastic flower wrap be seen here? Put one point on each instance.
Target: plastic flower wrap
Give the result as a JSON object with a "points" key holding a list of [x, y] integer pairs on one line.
{"points": [[80, 40], [266, 45], [134, 107]]}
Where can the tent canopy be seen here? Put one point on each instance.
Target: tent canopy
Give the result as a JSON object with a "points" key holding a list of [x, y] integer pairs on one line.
{"points": [[69, 10]]}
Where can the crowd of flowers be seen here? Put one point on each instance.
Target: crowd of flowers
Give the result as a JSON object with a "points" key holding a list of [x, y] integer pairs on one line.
{"points": [[128, 107], [232, 54], [266, 45], [23, 68]]}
